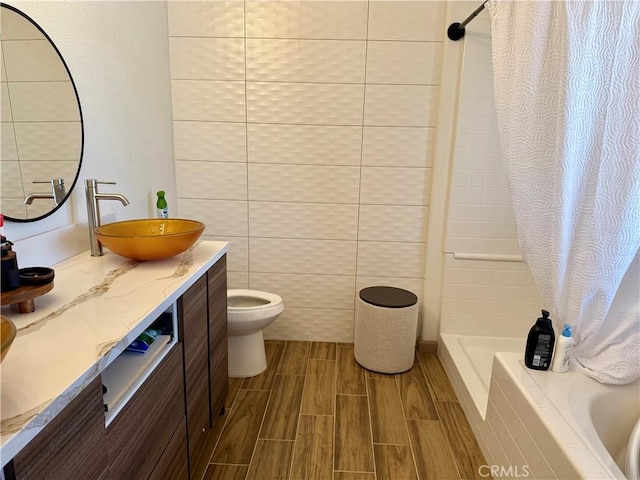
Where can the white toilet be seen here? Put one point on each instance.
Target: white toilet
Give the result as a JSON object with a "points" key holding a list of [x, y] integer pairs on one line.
{"points": [[248, 313]]}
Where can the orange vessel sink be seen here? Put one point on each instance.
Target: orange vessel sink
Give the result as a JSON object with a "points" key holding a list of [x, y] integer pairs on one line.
{"points": [[150, 239]]}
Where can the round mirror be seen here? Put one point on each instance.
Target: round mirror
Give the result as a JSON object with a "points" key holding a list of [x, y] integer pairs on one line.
{"points": [[42, 132]]}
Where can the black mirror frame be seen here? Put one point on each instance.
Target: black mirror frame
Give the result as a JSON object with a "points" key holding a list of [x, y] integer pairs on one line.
{"points": [[75, 90]]}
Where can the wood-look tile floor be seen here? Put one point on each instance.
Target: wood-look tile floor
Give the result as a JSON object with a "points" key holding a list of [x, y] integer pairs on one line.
{"points": [[316, 414]]}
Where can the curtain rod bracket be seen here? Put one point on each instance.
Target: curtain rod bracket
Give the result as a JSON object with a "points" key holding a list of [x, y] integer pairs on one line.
{"points": [[456, 30]]}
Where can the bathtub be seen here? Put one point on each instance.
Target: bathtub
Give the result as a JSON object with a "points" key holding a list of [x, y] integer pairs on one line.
{"points": [[533, 424]]}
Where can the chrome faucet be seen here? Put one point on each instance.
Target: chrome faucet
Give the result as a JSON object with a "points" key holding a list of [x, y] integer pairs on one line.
{"points": [[58, 192], [93, 210]]}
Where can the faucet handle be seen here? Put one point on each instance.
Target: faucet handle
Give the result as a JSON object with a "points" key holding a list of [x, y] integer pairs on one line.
{"points": [[105, 183]]}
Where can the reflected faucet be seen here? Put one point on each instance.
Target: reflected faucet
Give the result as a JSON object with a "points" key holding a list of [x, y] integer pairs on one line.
{"points": [[58, 192], [93, 210]]}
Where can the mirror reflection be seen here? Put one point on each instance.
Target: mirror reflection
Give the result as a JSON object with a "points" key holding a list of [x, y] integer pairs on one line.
{"points": [[41, 120]]}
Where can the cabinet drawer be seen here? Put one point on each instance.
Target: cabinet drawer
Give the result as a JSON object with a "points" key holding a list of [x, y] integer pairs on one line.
{"points": [[218, 369], [193, 320], [141, 431], [72, 445], [173, 461]]}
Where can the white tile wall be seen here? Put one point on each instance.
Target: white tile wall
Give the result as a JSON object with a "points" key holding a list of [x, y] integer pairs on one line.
{"points": [[305, 103], [308, 291], [303, 19], [328, 157], [210, 141], [304, 144], [400, 105], [304, 220], [397, 147], [43, 102], [8, 145], [313, 257], [206, 19], [212, 180], [482, 297], [221, 217], [49, 141], [33, 61], [395, 186], [303, 183], [209, 101], [327, 61], [196, 58], [488, 298]]}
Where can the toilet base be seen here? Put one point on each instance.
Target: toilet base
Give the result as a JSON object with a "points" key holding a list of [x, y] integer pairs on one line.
{"points": [[247, 357]]}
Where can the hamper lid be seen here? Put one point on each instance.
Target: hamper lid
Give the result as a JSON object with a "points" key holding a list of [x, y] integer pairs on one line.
{"points": [[389, 297]]}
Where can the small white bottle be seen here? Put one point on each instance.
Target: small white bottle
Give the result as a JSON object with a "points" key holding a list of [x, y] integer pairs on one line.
{"points": [[564, 347]]}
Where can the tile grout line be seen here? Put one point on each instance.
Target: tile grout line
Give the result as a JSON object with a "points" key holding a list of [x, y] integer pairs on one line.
{"points": [[398, 383]]}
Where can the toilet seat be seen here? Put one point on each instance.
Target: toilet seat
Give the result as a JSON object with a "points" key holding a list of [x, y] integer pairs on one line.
{"points": [[270, 300]]}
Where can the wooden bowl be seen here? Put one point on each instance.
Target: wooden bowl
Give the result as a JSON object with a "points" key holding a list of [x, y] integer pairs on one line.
{"points": [[7, 335]]}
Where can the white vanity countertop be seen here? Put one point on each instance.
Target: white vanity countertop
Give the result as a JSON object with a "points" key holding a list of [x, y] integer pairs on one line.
{"points": [[97, 307]]}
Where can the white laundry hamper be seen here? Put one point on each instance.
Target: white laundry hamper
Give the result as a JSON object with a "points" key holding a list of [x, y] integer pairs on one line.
{"points": [[385, 329]]}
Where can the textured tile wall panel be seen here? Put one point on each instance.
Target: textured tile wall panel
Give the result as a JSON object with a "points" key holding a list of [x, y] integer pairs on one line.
{"points": [[218, 181], [206, 18], [237, 255], [8, 142], [206, 58], [210, 141], [390, 259], [410, 63], [13, 206], [15, 28], [317, 325], [33, 61], [5, 103], [401, 105], [304, 19], [45, 171], [414, 285], [395, 186], [49, 140], [221, 217], [308, 291], [328, 61], [303, 183], [398, 146], [315, 257], [212, 101], [305, 103], [304, 144], [303, 220], [11, 179], [386, 223], [238, 280], [39, 208], [406, 20], [43, 102], [3, 74], [493, 246]]}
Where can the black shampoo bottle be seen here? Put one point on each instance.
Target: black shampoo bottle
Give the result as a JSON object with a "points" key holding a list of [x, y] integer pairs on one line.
{"points": [[540, 344]]}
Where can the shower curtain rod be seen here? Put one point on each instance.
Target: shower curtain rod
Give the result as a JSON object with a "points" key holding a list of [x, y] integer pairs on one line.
{"points": [[456, 30]]}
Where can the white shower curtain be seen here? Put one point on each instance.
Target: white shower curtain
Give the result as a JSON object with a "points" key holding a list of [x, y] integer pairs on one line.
{"points": [[567, 92]]}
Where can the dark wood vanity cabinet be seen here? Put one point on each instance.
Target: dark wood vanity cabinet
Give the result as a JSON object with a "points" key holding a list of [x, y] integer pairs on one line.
{"points": [[168, 428], [202, 326], [72, 445], [139, 435]]}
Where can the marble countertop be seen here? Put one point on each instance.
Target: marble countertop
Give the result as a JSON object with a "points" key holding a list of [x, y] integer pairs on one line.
{"points": [[97, 307]]}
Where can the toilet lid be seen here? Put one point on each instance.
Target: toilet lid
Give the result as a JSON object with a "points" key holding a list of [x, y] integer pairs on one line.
{"points": [[269, 298]]}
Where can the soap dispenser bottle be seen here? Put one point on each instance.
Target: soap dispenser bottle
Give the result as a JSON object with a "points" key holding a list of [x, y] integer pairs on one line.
{"points": [[540, 344], [564, 347], [162, 208]]}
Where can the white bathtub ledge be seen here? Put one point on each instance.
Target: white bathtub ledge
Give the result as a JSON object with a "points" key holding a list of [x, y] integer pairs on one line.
{"points": [[567, 453]]}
